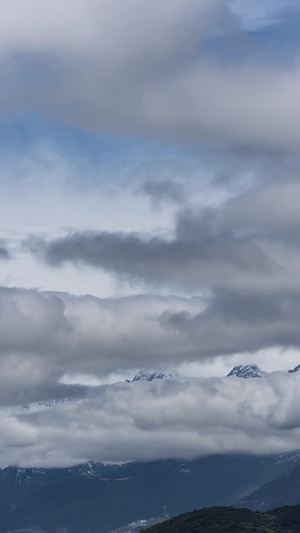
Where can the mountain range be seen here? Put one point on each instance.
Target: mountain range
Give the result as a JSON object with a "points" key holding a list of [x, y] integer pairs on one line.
{"points": [[97, 498], [151, 375], [253, 371], [242, 371], [246, 372], [284, 490]]}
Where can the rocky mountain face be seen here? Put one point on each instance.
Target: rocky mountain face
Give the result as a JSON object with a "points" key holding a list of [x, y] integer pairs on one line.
{"points": [[296, 369], [151, 375], [284, 490], [246, 372], [253, 371]]}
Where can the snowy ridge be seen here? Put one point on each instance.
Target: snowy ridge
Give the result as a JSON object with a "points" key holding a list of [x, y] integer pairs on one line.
{"points": [[151, 375], [294, 370], [253, 371], [246, 372], [48, 403]]}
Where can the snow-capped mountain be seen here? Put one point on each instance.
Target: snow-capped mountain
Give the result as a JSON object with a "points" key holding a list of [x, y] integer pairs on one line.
{"points": [[48, 403], [151, 375], [253, 371], [246, 372]]}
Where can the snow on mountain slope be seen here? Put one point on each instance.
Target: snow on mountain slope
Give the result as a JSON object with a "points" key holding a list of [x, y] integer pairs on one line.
{"points": [[296, 369], [49, 403], [246, 372], [151, 375], [253, 371]]}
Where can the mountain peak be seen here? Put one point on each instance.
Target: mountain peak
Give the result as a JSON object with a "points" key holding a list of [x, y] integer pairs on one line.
{"points": [[246, 371], [151, 375], [294, 369]]}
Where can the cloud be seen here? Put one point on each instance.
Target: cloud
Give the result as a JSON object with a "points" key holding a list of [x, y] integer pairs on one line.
{"points": [[4, 253], [248, 243], [160, 69], [204, 254], [163, 191], [148, 69], [235, 322], [196, 259], [241, 256], [158, 420], [269, 208], [45, 336]]}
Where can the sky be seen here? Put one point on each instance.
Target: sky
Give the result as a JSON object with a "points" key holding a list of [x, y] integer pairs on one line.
{"points": [[149, 188]]}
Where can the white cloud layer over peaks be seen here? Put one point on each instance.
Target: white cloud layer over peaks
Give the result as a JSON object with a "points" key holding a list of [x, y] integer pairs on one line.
{"points": [[139, 67], [176, 418]]}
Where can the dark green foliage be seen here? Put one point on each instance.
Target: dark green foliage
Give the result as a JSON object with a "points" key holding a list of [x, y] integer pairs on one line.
{"points": [[232, 520]]}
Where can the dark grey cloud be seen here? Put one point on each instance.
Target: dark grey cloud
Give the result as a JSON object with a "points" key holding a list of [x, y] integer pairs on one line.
{"points": [[242, 255], [236, 322], [200, 255], [270, 209], [4, 252], [250, 241]]}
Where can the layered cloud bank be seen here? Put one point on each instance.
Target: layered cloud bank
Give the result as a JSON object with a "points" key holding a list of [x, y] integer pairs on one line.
{"points": [[178, 418], [45, 336], [47, 339], [48, 336], [242, 256]]}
